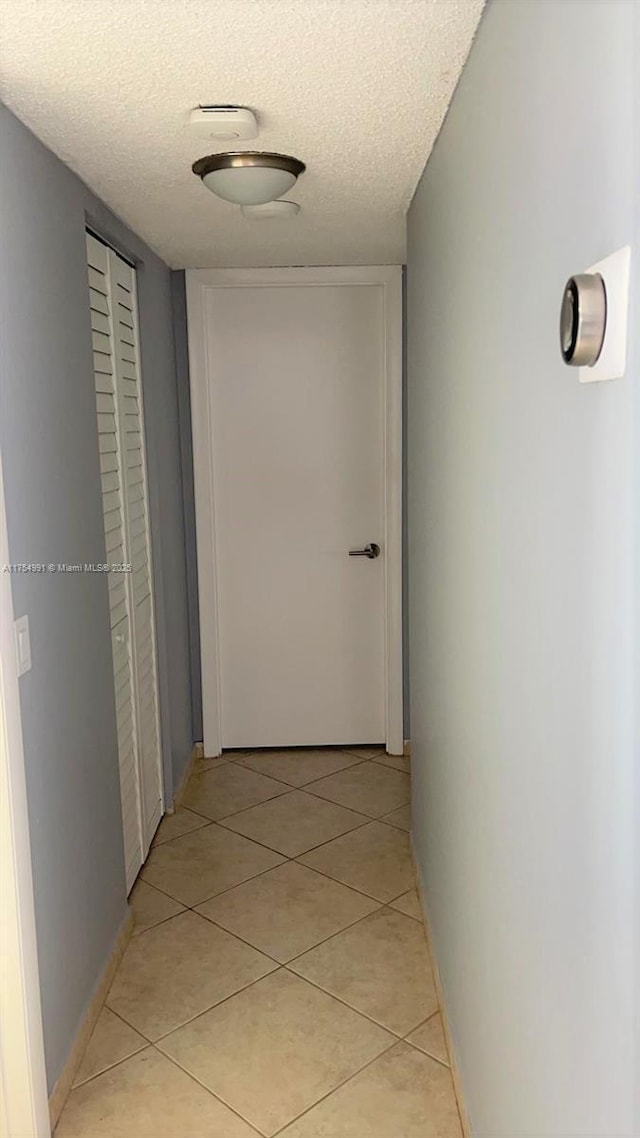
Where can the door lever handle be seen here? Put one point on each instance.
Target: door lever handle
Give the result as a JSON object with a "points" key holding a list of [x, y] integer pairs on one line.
{"points": [[372, 550]]}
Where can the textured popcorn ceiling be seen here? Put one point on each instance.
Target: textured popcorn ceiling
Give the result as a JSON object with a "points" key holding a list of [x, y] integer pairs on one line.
{"points": [[356, 88]]}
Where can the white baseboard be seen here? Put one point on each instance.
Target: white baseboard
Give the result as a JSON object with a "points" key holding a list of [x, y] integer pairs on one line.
{"points": [[455, 1073]]}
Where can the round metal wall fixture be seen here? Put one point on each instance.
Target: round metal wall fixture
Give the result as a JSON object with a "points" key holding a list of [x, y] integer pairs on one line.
{"points": [[583, 319], [248, 177]]}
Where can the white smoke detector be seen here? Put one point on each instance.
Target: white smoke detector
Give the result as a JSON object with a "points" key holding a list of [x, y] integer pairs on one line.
{"points": [[223, 124]]}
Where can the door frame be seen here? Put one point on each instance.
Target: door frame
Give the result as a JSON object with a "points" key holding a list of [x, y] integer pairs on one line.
{"points": [[24, 1108], [199, 283]]}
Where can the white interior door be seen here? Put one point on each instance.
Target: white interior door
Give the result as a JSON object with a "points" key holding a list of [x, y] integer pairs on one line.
{"points": [[114, 330], [296, 395]]}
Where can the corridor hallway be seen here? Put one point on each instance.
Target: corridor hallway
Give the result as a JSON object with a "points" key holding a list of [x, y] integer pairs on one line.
{"points": [[277, 981]]}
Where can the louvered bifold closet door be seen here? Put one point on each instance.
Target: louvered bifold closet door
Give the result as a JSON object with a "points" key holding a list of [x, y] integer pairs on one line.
{"points": [[113, 506], [114, 328], [123, 279]]}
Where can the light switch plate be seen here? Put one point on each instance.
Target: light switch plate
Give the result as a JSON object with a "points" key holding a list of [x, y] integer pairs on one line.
{"points": [[612, 361], [23, 644]]}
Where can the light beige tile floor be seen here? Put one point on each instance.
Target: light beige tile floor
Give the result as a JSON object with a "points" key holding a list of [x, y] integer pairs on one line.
{"points": [[299, 767], [174, 825], [228, 790], [374, 859], [429, 1037], [400, 818], [370, 788], [394, 986], [150, 907], [278, 981], [409, 904], [294, 822]]}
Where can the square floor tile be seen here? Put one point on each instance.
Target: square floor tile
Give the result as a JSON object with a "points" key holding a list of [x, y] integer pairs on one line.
{"points": [[401, 1095], [370, 788], [288, 910], [229, 789], [401, 818], [380, 967], [409, 904], [111, 1042], [147, 1097], [429, 1037], [173, 972], [175, 825], [276, 1048], [150, 907], [298, 767], [295, 822], [206, 862], [374, 859]]}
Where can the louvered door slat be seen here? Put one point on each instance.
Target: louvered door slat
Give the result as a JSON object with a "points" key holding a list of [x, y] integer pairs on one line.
{"points": [[114, 511], [139, 548]]}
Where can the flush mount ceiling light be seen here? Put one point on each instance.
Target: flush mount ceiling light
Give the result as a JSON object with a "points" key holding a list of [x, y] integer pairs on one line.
{"points": [[278, 209], [248, 177]]}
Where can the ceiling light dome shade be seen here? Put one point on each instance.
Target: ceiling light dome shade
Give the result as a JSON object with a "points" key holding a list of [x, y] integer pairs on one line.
{"points": [[248, 177]]}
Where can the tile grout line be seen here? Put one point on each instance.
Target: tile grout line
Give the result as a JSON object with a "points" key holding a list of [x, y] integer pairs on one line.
{"points": [[154, 844], [292, 857], [332, 936], [302, 785], [380, 905], [263, 873], [392, 1043], [205, 1011], [373, 818], [287, 858], [286, 963], [365, 1015], [279, 968], [217, 1097], [303, 789], [291, 789], [220, 1003], [149, 1045], [338, 1087], [284, 968], [146, 1043], [350, 1078], [292, 786]]}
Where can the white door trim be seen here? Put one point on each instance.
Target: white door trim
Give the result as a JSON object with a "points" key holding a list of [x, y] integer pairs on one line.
{"points": [[23, 1086], [198, 283]]}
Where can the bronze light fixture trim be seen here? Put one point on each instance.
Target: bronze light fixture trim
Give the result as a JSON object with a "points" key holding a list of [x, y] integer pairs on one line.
{"points": [[248, 177], [238, 158]]}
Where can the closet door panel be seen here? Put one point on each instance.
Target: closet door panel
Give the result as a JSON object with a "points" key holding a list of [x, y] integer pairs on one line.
{"points": [[138, 544], [113, 507], [127, 752]]}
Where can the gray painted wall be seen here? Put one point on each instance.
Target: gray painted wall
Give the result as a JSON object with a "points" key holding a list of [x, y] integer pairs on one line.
{"points": [[522, 494], [48, 437], [179, 298]]}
